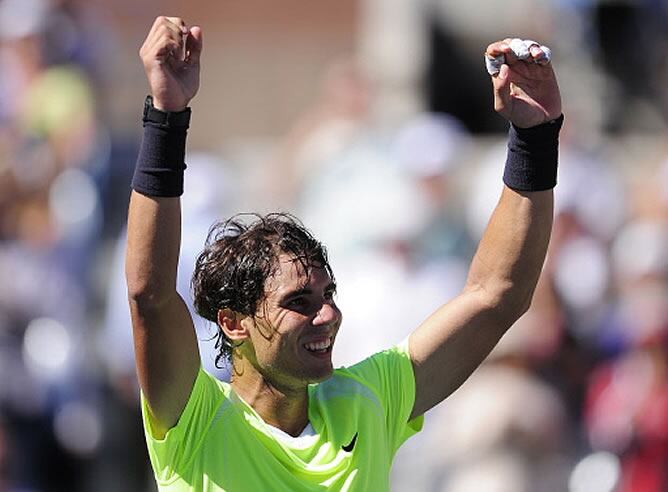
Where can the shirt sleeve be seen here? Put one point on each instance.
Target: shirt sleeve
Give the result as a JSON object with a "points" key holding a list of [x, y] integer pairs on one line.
{"points": [[390, 375], [170, 455]]}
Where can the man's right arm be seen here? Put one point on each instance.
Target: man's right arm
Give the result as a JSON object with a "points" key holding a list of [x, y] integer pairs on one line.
{"points": [[166, 350]]}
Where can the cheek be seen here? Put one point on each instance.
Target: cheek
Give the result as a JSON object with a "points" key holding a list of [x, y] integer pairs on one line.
{"points": [[271, 342], [276, 356]]}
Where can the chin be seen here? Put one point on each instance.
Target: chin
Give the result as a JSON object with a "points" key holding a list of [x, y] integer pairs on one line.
{"points": [[321, 375]]}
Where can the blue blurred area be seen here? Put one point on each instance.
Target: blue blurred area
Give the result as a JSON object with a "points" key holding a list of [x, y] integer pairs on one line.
{"points": [[376, 127]]}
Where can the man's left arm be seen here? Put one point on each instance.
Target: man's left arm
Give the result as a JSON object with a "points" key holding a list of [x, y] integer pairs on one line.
{"points": [[454, 341]]}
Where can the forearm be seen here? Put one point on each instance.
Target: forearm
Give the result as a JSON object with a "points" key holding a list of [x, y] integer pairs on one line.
{"points": [[455, 340], [154, 220], [510, 256], [154, 235]]}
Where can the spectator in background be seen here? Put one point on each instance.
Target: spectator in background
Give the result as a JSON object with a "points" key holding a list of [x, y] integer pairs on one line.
{"points": [[627, 399], [49, 133], [339, 117], [51, 165]]}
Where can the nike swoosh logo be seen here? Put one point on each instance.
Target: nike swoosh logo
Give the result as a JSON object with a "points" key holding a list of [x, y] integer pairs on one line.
{"points": [[350, 446]]}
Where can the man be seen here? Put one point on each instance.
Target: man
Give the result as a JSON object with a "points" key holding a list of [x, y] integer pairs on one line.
{"points": [[288, 421]]}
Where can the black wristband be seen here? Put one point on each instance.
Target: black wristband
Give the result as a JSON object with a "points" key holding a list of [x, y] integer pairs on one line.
{"points": [[531, 164], [160, 164], [166, 119]]}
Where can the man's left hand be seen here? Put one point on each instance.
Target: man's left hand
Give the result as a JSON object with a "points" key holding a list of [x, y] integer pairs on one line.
{"points": [[525, 91]]}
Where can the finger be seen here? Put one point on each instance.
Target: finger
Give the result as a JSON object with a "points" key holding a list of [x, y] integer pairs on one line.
{"points": [[194, 43], [178, 26], [493, 64], [161, 46], [521, 48], [162, 25], [502, 89], [497, 54], [498, 48], [174, 24], [529, 50], [495, 57], [178, 22], [165, 38], [541, 55]]}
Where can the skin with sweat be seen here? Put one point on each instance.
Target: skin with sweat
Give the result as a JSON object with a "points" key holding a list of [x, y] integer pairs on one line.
{"points": [[286, 345]]}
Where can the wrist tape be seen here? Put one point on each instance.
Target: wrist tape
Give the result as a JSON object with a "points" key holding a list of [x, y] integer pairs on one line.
{"points": [[531, 164], [160, 164], [522, 50]]}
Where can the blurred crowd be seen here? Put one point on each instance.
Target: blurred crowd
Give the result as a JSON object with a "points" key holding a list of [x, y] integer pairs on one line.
{"points": [[396, 166]]}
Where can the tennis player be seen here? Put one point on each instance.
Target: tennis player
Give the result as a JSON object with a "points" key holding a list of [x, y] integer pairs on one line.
{"points": [[288, 421]]}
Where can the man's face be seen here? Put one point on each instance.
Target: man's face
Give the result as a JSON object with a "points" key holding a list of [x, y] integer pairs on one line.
{"points": [[295, 326]]}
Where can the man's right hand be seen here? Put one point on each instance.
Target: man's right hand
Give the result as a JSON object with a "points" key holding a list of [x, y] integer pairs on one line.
{"points": [[173, 75]]}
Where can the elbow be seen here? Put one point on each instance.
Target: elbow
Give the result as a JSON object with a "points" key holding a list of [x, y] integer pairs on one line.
{"points": [[147, 295], [524, 306], [506, 303], [513, 306]]}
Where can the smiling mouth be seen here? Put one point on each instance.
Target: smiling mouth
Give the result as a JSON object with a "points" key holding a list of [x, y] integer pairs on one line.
{"points": [[321, 347]]}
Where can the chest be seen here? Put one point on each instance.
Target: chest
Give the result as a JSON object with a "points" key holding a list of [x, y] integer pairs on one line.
{"points": [[346, 452]]}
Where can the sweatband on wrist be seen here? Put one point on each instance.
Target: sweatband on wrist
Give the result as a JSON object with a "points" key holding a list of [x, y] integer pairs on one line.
{"points": [[160, 163], [531, 164]]}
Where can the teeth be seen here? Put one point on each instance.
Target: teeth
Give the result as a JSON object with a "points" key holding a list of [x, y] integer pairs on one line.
{"points": [[314, 346]]}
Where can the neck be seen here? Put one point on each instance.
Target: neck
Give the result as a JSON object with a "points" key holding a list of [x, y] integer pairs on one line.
{"points": [[279, 405]]}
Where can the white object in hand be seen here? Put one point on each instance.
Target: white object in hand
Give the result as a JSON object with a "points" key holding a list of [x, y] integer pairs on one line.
{"points": [[522, 49]]}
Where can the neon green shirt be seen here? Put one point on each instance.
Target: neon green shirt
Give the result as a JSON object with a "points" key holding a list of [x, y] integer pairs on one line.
{"points": [[360, 417]]}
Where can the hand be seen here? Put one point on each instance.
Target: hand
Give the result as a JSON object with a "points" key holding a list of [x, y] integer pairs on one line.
{"points": [[525, 92], [172, 68]]}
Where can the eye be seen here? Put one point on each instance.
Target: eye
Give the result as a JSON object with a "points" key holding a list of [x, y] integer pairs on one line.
{"points": [[297, 303]]}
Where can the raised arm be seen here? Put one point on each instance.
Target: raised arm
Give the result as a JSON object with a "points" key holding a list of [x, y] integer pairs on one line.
{"points": [[166, 350], [454, 341]]}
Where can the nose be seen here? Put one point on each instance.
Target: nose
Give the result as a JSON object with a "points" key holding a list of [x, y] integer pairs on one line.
{"points": [[327, 314]]}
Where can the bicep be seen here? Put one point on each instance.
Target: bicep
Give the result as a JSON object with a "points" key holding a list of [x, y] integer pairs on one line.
{"points": [[167, 357], [451, 344]]}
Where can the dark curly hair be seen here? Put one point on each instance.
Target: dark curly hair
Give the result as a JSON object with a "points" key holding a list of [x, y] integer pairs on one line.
{"points": [[239, 255]]}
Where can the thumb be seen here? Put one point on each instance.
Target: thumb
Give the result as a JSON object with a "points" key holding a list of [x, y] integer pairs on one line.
{"points": [[194, 44], [501, 83]]}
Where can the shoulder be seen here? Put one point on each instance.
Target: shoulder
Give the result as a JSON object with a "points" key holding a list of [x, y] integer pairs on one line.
{"points": [[206, 397], [368, 378], [381, 365], [173, 452], [346, 382]]}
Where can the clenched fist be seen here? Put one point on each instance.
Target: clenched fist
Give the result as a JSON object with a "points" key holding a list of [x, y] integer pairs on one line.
{"points": [[171, 57], [525, 88]]}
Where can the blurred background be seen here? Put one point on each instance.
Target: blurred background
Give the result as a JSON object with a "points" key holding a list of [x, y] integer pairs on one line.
{"points": [[371, 120]]}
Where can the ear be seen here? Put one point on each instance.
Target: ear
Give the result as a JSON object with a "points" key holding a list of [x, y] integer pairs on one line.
{"points": [[232, 325]]}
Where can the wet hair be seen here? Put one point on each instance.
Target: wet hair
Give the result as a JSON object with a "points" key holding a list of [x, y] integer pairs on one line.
{"points": [[239, 256]]}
